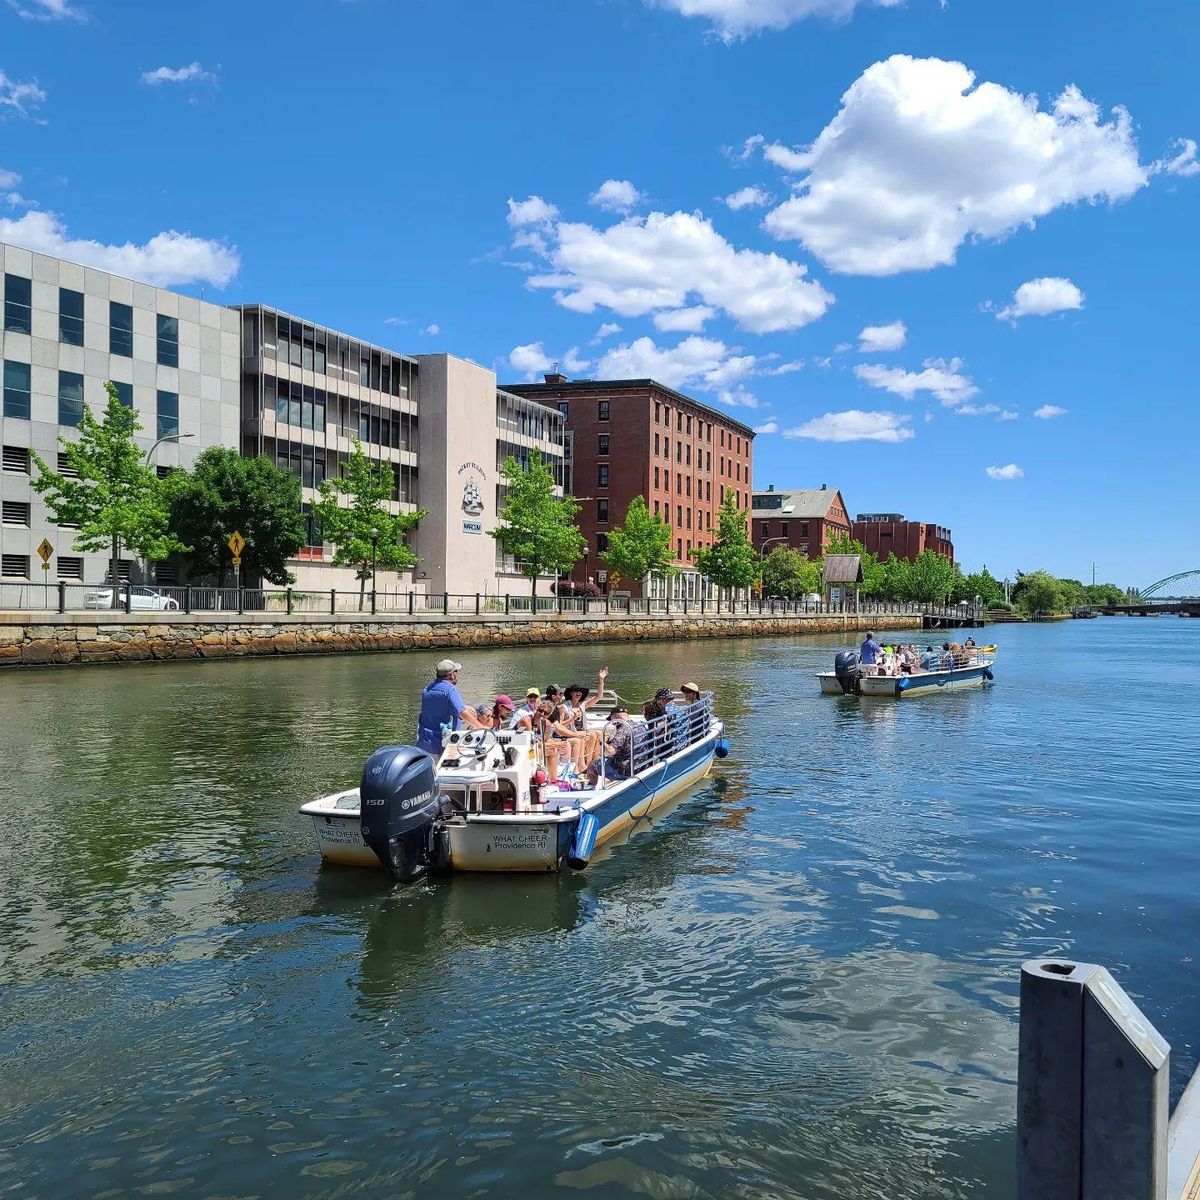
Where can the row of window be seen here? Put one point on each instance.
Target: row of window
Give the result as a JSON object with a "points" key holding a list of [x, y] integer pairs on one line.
{"points": [[683, 483], [16, 566], [17, 398], [312, 465], [784, 526], [704, 429], [529, 418], [306, 407]]}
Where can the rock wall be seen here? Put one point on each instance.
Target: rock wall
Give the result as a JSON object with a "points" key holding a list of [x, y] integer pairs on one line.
{"points": [[91, 638]]}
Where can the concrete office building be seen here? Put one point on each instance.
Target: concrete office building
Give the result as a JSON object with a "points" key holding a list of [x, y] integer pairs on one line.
{"points": [[889, 533], [66, 330]]}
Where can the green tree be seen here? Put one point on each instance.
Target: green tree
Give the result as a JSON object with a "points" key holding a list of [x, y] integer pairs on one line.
{"points": [[932, 578], [984, 585], [640, 547], [114, 498], [365, 535], [897, 579], [224, 492], [874, 575], [790, 575], [537, 527], [1104, 594], [731, 561], [1039, 594]]}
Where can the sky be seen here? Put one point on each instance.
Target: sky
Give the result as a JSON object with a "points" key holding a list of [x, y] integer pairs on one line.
{"points": [[942, 254]]}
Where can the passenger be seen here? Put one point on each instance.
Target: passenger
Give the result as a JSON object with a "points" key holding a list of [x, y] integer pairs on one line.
{"points": [[947, 659], [869, 651], [522, 718], [554, 693], [442, 707], [553, 749], [576, 703], [502, 712], [930, 659], [691, 692], [576, 741], [486, 715], [657, 707], [618, 747]]}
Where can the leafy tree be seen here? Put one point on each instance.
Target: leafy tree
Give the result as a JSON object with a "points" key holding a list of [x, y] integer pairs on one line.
{"points": [[790, 575], [114, 498], [537, 527], [897, 579], [1039, 594], [731, 561], [224, 492], [932, 577], [874, 575], [1104, 594], [640, 547], [984, 585], [365, 535]]}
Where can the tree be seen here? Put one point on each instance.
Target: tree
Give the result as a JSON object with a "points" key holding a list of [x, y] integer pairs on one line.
{"points": [[897, 579], [364, 533], [932, 578], [731, 561], [224, 492], [874, 576], [640, 547], [790, 575], [984, 585], [1040, 593], [114, 498], [537, 527]]}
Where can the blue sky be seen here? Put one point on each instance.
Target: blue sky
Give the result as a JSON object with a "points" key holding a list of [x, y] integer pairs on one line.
{"points": [[508, 181]]}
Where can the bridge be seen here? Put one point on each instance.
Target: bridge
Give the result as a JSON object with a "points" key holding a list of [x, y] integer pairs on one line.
{"points": [[1175, 594], [1183, 597]]}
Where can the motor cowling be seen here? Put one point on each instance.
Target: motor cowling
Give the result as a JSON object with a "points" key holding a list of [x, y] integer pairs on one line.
{"points": [[845, 667], [398, 801]]}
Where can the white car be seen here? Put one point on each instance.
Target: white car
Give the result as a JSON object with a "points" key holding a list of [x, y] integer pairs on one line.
{"points": [[140, 598]]}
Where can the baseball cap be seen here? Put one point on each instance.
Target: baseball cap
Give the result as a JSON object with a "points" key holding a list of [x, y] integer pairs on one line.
{"points": [[448, 665], [503, 701], [532, 692]]}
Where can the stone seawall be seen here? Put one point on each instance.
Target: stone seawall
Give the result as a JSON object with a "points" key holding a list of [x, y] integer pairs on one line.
{"points": [[37, 639]]}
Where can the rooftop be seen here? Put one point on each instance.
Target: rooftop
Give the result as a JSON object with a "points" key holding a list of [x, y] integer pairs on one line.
{"points": [[796, 502]]}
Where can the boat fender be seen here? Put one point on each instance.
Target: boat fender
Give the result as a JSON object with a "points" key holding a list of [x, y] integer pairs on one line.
{"points": [[722, 748], [583, 841], [987, 673], [902, 683]]}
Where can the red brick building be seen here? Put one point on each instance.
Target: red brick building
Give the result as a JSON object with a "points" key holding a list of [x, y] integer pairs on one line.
{"points": [[806, 519], [889, 533], [636, 437]]}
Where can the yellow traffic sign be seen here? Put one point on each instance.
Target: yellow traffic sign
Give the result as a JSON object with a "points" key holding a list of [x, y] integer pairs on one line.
{"points": [[237, 560], [45, 550], [237, 544]]}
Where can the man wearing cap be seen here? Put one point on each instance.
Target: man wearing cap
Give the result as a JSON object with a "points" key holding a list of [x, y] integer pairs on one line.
{"points": [[441, 704], [617, 750], [522, 718]]}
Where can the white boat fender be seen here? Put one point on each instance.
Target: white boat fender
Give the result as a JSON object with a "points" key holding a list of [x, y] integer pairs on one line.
{"points": [[583, 841]]}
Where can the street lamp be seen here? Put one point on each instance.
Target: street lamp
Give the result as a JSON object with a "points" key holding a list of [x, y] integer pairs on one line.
{"points": [[166, 437], [762, 558]]}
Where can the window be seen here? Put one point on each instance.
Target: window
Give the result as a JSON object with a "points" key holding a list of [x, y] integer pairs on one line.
{"points": [[70, 317], [70, 398], [124, 393], [679, 485], [15, 512], [679, 516], [18, 299], [783, 529], [70, 568], [168, 413], [657, 414], [16, 390], [656, 449], [656, 484], [656, 508], [64, 466], [688, 483], [689, 426], [120, 329], [16, 458], [666, 447], [563, 406], [14, 566], [168, 341], [804, 529], [602, 447], [708, 490], [688, 455], [601, 542], [689, 518], [163, 471], [602, 510], [602, 479], [679, 452], [679, 548], [679, 422], [766, 529], [603, 412]]}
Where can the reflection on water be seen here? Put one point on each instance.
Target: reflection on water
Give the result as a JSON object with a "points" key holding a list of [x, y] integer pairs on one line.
{"points": [[800, 980]]}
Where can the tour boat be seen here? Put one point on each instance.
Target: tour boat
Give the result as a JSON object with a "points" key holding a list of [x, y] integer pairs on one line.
{"points": [[481, 807], [973, 668]]}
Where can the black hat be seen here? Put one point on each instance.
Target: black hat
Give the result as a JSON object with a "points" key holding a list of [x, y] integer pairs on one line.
{"points": [[663, 694], [576, 687], [553, 688]]}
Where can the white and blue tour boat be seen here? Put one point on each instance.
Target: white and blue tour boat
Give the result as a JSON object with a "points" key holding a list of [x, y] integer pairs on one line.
{"points": [[965, 668], [481, 806]]}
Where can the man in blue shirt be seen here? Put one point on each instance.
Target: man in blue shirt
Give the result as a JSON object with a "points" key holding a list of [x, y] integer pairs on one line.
{"points": [[869, 651], [441, 704]]}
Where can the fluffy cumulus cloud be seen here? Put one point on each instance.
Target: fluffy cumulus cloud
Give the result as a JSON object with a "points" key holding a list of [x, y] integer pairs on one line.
{"points": [[734, 19], [696, 361], [684, 320], [739, 397], [1011, 471], [1183, 162], [432, 330], [1040, 298], [168, 259], [877, 339], [854, 425], [192, 73], [661, 262], [605, 331], [767, 427], [615, 195], [940, 377], [530, 360], [1049, 411], [919, 159], [749, 197], [19, 99]]}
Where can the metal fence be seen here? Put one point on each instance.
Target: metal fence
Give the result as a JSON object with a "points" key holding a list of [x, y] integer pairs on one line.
{"points": [[65, 597]]}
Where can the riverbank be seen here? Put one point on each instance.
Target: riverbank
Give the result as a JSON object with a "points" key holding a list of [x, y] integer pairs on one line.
{"points": [[38, 639]]}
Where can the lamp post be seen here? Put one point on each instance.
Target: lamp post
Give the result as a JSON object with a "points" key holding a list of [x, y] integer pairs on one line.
{"points": [[375, 536], [166, 437], [762, 558]]}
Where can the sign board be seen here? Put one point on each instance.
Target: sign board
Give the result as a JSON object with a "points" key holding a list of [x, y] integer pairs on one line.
{"points": [[237, 560], [472, 527], [601, 576], [237, 544], [44, 551]]}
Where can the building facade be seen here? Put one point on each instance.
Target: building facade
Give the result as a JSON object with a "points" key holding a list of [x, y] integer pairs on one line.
{"points": [[68, 329], [804, 519], [889, 533], [637, 437]]}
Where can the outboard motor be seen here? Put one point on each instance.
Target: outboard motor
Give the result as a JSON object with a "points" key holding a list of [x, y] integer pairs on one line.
{"points": [[398, 802], [845, 667]]}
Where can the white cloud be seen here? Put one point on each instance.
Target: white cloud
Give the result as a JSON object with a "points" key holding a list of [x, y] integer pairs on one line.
{"points": [[615, 195], [573, 362], [432, 330], [877, 339], [1183, 164], [734, 19], [842, 347], [396, 321], [749, 197], [1007, 414], [1040, 297], [978, 410], [918, 160], [783, 368], [684, 320], [8, 180], [854, 425], [168, 259], [531, 360], [646, 264], [707, 362], [739, 397], [192, 73], [46, 10], [19, 99], [767, 427], [1012, 471], [605, 331], [1049, 411], [940, 376]]}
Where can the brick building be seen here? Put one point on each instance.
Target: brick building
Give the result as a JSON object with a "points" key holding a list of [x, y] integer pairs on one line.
{"points": [[889, 533], [636, 437], [805, 519]]}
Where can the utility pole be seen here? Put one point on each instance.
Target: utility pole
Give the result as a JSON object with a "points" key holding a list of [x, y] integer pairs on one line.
{"points": [[1093, 574]]}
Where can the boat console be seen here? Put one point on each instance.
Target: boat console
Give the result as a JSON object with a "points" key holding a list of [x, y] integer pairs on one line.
{"points": [[486, 770]]}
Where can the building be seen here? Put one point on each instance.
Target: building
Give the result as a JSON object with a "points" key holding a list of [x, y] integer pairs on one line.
{"points": [[805, 519], [66, 330], [889, 533], [637, 437]]}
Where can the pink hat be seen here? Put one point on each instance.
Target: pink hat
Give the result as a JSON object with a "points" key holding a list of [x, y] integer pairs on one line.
{"points": [[505, 702]]}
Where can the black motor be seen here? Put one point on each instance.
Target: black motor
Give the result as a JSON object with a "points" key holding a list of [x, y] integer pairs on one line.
{"points": [[398, 802], [845, 667]]}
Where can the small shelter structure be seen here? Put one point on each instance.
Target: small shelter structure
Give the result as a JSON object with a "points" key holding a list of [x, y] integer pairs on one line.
{"points": [[841, 571]]}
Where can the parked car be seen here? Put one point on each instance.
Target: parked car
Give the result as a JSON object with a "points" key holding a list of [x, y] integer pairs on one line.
{"points": [[139, 598]]}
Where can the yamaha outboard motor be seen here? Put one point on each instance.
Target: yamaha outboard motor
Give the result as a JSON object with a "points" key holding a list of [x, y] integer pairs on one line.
{"points": [[398, 802], [845, 667]]}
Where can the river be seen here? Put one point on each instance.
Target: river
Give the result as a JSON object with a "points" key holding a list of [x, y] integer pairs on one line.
{"points": [[801, 981]]}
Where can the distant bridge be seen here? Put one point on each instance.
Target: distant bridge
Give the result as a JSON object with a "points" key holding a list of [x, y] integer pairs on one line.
{"points": [[1189, 592]]}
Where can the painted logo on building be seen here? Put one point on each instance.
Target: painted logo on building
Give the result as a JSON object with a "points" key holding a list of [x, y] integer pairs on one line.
{"points": [[472, 500]]}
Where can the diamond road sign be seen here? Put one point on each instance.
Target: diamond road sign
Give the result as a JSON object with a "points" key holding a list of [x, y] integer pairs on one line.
{"points": [[237, 544], [45, 550]]}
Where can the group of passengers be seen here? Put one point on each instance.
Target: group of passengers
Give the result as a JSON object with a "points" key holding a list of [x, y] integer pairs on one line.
{"points": [[908, 660]]}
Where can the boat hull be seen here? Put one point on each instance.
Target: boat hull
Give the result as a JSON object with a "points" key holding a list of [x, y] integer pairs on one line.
{"points": [[925, 683]]}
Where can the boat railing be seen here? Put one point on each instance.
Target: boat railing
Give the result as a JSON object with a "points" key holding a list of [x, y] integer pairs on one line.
{"points": [[679, 727]]}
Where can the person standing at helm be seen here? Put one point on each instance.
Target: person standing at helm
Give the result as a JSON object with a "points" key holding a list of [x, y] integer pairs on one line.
{"points": [[442, 704]]}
